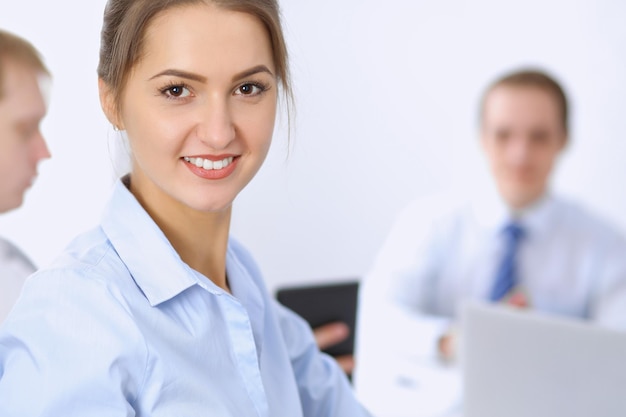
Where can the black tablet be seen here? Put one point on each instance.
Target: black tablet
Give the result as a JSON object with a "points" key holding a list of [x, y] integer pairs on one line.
{"points": [[325, 303]]}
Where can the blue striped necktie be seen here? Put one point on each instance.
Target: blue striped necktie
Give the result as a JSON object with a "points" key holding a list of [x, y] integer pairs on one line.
{"points": [[506, 277]]}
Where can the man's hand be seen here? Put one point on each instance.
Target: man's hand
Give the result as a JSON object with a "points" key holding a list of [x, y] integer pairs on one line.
{"points": [[331, 334], [447, 343], [518, 299]]}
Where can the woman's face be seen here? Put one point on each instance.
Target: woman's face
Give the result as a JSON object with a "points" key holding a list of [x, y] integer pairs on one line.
{"points": [[199, 107]]}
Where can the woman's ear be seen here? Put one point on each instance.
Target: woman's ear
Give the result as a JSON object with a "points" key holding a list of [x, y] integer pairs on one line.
{"points": [[108, 104]]}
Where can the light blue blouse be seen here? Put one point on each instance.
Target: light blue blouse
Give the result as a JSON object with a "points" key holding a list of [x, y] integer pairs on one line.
{"points": [[120, 326]]}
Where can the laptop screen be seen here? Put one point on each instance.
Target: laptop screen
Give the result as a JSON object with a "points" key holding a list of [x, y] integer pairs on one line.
{"points": [[522, 363]]}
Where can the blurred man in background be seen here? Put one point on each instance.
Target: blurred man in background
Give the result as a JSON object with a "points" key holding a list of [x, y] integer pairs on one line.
{"points": [[521, 244], [22, 147]]}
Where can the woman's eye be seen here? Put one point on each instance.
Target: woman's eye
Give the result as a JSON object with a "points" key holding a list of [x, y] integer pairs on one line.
{"points": [[249, 90], [177, 91]]}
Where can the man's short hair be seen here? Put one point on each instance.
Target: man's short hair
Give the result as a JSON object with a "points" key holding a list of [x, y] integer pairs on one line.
{"points": [[533, 78], [18, 49]]}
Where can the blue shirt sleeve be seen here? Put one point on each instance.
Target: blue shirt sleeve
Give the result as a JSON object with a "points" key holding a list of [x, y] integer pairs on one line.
{"points": [[96, 369], [323, 386]]}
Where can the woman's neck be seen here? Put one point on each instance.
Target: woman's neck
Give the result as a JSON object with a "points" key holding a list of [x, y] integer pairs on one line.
{"points": [[199, 238]]}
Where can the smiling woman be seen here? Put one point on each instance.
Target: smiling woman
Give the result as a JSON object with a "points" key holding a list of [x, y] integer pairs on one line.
{"points": [[180, 103], [157, 311]]}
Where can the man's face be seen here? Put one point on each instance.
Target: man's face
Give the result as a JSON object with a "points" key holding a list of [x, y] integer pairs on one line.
{"points": [[22, 146], [522, 134]]}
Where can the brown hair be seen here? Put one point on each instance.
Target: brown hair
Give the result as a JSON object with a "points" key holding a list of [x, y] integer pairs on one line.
{"points": [[125, 23], [532, 78], [13, 47]]}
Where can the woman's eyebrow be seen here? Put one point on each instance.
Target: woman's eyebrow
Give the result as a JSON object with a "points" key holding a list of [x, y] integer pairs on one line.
{"points": [[180, 73], [252, 71], [200, 78]]}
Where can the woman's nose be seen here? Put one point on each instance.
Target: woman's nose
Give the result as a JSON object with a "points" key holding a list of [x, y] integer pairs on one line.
{"points": [[215, 127]]}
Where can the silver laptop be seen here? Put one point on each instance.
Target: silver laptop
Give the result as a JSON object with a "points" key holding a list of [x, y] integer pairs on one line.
{"points": [[526, 364]]}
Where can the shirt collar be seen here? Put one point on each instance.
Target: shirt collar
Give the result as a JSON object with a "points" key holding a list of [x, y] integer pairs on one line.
{"points": [[537, 218], [147, 253], [492, 213]]}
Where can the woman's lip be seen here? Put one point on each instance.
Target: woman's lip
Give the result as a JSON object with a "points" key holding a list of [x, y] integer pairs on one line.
{"points": [[212, 157], [212, 174]]}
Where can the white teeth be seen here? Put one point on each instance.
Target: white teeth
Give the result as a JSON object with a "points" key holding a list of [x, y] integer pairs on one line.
{"points": [[208, 164]]}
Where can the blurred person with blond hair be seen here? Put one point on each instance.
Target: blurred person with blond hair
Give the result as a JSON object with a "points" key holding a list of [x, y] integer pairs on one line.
{"points": [[22, 147]]}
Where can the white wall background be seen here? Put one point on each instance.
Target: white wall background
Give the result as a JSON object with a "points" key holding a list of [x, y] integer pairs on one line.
{"points": [[386, 97]]}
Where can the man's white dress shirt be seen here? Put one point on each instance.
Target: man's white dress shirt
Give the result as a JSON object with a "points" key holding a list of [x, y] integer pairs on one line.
{"points": [[443, 251], [15, 267]]}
